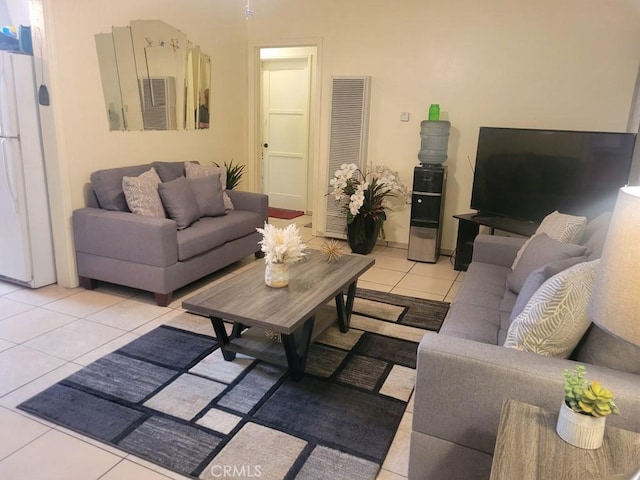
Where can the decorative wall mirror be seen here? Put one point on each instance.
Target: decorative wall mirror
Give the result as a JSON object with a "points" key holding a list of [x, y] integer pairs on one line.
{"points": [[153, 78]]}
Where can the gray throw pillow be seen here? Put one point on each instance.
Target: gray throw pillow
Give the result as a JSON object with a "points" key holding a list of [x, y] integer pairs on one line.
{"points": [[195, 170], [536, 278], [208, 192], [180, 202], [541, 250]]}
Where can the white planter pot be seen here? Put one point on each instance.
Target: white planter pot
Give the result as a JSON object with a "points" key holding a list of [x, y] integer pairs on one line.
{"points": [[580, 430]]}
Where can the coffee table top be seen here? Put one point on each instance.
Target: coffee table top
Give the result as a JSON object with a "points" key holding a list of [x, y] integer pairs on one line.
{"points": [[245, 298]]}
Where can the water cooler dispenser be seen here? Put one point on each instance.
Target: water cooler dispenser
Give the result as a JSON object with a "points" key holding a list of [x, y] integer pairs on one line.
{"points": [[427, 204]]}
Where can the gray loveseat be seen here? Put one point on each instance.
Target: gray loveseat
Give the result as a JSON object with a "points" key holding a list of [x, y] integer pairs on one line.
{"points": [[150, 253], [464, 374]]}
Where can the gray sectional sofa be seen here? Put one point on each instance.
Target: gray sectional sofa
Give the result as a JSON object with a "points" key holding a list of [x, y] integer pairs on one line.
{"points": [[150, 253], [464, 374]]}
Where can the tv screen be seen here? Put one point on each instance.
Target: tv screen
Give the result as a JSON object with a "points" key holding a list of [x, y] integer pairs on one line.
{"points": [[526, 174]]}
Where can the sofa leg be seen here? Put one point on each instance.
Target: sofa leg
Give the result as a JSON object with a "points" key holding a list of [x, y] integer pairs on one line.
{"points": [[259, 254], [88, 283], [163, 299]]}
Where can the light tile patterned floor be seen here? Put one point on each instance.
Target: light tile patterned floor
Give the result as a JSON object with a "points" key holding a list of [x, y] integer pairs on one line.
{"points": [[49, 333]]}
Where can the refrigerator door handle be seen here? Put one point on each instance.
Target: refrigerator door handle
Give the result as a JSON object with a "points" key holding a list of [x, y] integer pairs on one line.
{"points": [[7, 174]]}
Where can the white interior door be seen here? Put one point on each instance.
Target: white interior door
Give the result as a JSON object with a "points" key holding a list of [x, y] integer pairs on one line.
{"points": [[285, 151]]}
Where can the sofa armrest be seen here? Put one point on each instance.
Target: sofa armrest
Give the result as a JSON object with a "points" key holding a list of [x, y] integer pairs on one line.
{"points": [[250, 201], [496, 249], [461, 386], [126, 236]]}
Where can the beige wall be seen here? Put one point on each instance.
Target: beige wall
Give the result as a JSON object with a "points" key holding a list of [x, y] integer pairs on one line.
{"points": [[83, 140], [565, 64]]}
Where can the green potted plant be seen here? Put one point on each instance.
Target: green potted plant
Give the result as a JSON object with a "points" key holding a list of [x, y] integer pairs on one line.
{"points": [[583, 412], [234, 173]]}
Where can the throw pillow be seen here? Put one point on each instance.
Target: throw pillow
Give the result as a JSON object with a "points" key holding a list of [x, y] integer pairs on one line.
{"points": [[208, 193], [168, 171], [541, 250], [536, 278], [180, 202], [141, 193], [559, 226], [555, 318], [195, 170]]}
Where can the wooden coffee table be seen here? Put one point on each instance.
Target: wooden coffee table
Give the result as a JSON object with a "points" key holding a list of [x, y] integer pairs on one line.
{"points": [[260, 313]]}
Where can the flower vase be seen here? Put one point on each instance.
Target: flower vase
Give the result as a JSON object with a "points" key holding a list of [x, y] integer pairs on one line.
{"points": [[276, 275], [365, 229], [579, 430]]}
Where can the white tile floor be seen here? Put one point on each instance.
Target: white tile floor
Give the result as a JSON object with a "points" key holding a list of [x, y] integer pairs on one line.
{"points": [[48, 333]]}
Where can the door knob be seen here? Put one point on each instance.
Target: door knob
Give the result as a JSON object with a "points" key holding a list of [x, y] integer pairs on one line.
{"points": [[266, 145]]}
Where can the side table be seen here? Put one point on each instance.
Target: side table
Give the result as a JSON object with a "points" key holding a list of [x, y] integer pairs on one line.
{"points": [[528, 448]]}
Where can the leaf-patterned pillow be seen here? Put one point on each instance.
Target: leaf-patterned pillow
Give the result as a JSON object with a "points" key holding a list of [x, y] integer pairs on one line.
{"points": [[555, 318], [142, 195]]}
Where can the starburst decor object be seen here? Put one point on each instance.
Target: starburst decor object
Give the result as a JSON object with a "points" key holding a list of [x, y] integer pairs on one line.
{"points": [[332, 250]]}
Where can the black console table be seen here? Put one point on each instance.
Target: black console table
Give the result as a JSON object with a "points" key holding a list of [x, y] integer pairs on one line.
{"points": [[469, 226]]}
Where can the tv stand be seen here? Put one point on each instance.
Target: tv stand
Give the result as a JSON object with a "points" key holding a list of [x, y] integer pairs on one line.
{"points": [[469, 227]]}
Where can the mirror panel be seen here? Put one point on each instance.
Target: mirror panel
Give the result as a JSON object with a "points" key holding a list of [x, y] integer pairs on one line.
{"points": [[152, 77], [131, 109]]}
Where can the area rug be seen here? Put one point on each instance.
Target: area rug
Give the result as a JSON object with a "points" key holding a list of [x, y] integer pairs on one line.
{"points": [[284, 214], [170, 398]]}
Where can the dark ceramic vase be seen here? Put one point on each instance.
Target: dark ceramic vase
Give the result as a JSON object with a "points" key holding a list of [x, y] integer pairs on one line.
{"points": [[371, 232]]}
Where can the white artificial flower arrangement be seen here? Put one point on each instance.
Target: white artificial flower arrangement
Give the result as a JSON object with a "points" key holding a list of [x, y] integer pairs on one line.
{"points": [[282, 245], [367, 193]]}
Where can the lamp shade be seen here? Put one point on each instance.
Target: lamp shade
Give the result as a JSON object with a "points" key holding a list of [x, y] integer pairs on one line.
{"points": [[615, 302]]}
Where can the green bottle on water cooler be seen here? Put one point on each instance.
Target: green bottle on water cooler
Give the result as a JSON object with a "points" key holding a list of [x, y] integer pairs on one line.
{"points": [[434, 112]]}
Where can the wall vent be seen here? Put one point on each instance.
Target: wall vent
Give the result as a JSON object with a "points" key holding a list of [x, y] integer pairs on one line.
{"points": [[347, 139], [158, 100]]}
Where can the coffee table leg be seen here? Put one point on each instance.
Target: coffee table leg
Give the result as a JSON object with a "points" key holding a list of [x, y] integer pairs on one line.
{"points": [[297, 354], [223, 338], [344, 311]]}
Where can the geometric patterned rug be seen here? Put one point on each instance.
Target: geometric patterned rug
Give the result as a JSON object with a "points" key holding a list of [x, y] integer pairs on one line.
{"points": [[169, 397]]}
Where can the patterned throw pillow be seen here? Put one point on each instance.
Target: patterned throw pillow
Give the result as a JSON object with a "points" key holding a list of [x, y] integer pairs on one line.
{"points": [[141, 193], [555, 318], [195, 170], [559, 226]]}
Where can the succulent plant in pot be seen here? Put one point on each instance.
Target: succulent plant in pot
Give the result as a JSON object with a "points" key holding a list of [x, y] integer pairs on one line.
{"points": [[583, 412]]}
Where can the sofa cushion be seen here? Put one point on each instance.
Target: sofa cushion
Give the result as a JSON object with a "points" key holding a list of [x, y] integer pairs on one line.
{"points": [[541, 250], [180, 202], [536, 278], [195, 170], [107, 186], [597, 347], [484, 285], [208, 193], [141, 194], [210, 232], [168, 171], [472, 322], [555, 318], [559, 226], [595, 235]]}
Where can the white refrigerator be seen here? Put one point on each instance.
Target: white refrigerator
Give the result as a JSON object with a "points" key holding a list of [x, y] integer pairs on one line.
{"points": [[26, 244]]}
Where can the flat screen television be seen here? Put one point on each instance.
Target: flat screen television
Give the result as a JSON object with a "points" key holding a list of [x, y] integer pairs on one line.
{"points": [[526, 174]]}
